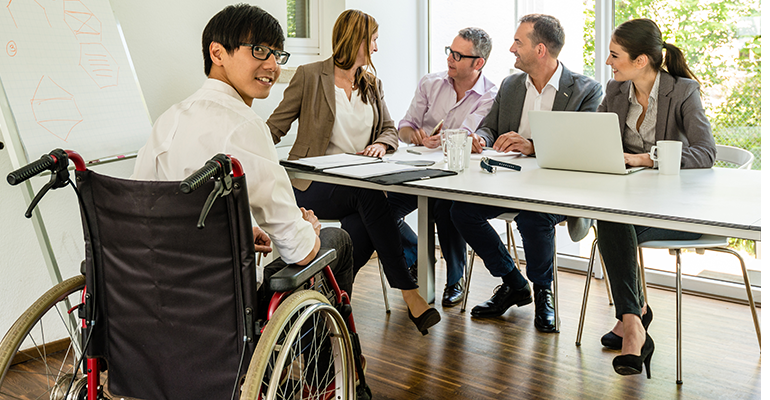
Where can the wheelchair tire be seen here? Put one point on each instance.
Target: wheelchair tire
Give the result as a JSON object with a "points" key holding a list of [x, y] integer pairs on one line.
{"points": [[46, 316], [289, 361]]}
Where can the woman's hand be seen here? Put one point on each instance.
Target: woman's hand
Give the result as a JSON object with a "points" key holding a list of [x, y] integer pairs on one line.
{"points": [[638, 160], [375, 150]]}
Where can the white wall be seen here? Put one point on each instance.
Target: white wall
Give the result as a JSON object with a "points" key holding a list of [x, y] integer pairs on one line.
{"points": [[165, 48]]}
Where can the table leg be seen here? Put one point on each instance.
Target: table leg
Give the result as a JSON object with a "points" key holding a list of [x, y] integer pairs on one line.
{"points": [[426, 250]]}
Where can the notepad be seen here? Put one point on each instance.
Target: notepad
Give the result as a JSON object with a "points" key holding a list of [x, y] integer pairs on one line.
{"points": [[363, 171], [331, 161]]}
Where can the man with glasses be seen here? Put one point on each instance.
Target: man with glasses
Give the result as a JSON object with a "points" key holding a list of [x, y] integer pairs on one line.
{"points": [[546, 84], [243, 54], [461, 97]]}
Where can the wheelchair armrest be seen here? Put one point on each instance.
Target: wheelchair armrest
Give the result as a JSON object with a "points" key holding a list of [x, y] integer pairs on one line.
{"points": [[293, 276]]}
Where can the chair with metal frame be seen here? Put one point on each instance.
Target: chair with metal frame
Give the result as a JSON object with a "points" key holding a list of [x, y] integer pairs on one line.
{"points": [[743, 159]]}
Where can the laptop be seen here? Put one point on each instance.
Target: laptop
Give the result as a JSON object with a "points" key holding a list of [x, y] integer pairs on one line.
{"points": [[578, 141]]}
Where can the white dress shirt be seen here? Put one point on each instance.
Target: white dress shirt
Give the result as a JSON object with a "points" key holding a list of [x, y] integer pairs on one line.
{"points": [[353, 121], [216, 120], [542, 101]]}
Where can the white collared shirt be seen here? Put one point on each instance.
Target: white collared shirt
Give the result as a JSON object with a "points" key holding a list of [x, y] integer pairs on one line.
{"points": [[542, 101], [216, 120], [353, 121]]}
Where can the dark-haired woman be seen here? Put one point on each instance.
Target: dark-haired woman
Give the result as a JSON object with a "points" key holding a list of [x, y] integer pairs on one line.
{"points": [[341, 109], [656, 97]]}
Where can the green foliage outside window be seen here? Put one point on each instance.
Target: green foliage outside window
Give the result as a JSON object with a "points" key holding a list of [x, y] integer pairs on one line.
{"points": [[725, 58]]}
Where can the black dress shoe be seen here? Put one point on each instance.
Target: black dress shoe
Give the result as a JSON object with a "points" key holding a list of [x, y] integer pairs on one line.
{"points": [[427, 319], [614, 342], [503, 298], [630, 364], [545, 318], [453, 294]]}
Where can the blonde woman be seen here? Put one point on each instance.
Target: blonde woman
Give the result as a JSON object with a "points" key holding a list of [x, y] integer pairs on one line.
{"points": [[341, 109]]}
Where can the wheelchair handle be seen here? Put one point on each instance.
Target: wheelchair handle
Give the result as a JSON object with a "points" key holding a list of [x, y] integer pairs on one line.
{"points": [[46, 162], [209, 170]]}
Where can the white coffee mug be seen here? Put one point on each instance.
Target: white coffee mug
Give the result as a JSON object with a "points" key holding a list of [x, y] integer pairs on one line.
{"points": [[668, 154]]}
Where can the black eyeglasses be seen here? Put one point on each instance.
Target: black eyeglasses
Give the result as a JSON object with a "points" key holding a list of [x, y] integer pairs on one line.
{"points": [[457, 56], [261, 52]]}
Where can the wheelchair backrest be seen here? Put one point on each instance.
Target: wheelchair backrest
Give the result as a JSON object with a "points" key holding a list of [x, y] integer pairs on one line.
{"points": [[170, 301]]}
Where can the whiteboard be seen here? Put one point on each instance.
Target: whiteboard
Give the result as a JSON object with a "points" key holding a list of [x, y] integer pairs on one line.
{"points": [[68, 79]]}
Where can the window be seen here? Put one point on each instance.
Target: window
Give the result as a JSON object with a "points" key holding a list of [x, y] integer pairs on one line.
{"points": [[302, 27]]}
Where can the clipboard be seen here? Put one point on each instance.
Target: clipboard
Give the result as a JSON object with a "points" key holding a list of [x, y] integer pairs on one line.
{"points": [[409, 176]]}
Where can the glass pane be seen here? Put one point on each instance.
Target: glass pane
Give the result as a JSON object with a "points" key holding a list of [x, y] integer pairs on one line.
{"points": [[298, 24]]}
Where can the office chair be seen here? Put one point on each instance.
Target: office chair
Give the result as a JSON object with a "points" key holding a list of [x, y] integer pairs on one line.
{"points": [[727, 154]]}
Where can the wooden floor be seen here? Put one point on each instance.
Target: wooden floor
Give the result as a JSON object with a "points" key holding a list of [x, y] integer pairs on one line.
{"points": [[507, 358]]}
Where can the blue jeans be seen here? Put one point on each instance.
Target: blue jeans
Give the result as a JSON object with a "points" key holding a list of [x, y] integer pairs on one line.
{"points": [[618, 245], [453, 246], [537, 234]]}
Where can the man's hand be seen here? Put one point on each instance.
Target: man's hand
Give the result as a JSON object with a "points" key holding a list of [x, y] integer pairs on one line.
{"points": [[416, 136], [375, 150], [512, 141], [309, 216], [432, 142], [638, 160], [261, 241], [478, 143]]}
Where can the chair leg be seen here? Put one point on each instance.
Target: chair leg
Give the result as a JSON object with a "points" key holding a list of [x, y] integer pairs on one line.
{"points": [[589, 272], [512, 245], [678, 316], [468, 273], [749, 295], [642, 275], [555, 289], [384, 287], [508, 235]]}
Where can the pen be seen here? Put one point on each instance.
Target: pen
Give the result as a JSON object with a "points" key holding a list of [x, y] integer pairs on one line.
{"points": [[413, 152]]}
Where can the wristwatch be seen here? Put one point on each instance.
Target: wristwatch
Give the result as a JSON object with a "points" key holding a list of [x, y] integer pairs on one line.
{"points": [[489, 165]]}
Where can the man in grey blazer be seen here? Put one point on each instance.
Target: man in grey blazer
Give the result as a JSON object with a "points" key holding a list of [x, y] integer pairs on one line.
{"points": [[545, 85]]}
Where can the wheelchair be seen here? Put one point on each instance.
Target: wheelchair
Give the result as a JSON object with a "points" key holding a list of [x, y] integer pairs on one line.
{"points": [[166, 310]]}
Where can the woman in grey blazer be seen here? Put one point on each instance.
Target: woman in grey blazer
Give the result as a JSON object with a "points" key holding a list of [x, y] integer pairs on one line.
{"points": [[652, 104], [341, 109]]}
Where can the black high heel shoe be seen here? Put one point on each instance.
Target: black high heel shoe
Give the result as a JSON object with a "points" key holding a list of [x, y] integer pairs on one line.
{"points": [[429, 318], [614, 342], [629, 364]]}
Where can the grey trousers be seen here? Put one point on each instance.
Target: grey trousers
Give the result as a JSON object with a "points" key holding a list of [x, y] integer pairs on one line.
{"points": [[618, 246]]}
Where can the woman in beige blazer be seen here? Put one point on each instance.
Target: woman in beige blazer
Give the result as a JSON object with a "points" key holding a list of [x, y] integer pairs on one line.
{"points": [[341, 109], [652, 104]]}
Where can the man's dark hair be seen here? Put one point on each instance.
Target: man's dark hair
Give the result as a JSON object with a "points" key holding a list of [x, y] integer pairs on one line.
{"points": [[546, 30], [240, 23]]}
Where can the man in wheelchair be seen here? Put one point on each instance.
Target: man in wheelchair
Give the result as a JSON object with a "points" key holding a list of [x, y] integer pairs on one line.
{"points": [[243, 54]]}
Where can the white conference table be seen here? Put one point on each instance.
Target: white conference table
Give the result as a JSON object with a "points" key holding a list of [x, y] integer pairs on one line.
{"points": [[715, 201]]}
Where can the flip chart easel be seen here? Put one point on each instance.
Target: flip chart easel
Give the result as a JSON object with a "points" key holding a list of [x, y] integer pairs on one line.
{"points": [[66, 81]]}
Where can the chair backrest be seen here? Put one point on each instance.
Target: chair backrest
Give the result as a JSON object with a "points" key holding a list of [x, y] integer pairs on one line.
{"points": [[170, 299], [735, 155]]}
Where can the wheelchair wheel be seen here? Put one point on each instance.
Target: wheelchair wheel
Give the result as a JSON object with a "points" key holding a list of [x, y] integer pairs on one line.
{"points": [[53, 361], [304, 352]]}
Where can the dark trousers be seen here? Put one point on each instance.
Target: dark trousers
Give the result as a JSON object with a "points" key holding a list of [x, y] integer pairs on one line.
{"points": [[366, 215], [453, 245], [618, 246], [537, 235]]}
